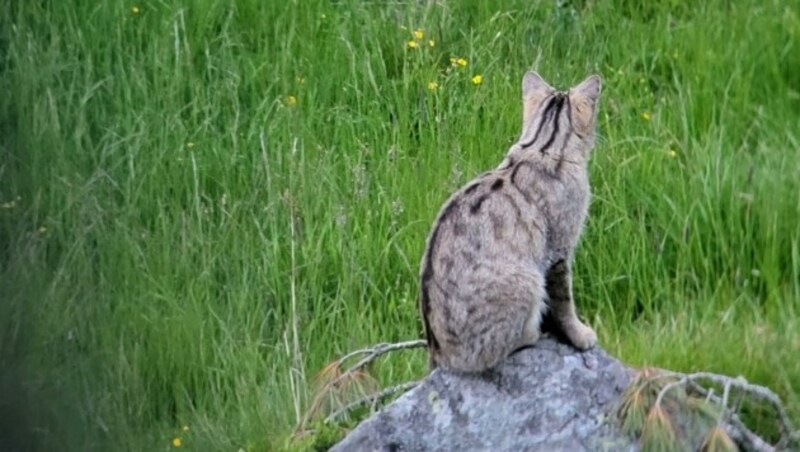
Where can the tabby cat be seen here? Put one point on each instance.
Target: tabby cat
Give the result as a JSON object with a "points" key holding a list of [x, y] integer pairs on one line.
{"points": [[500, 251]]}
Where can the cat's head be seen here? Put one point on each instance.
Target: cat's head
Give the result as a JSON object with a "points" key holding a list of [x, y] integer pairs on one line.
{"points": [[557, 125]]}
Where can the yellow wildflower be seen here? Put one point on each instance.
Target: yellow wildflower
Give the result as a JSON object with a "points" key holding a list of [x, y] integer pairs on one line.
{"points": [[412, 44], [646, 116], [433, 86], [477, 80], [462, 62], [419, 34], [134, 10], [431, 43], [672, 153], [176, 442], [291, 101]]}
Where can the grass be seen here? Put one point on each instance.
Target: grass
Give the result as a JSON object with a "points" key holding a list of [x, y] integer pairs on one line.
{"points": [[183, 245]]}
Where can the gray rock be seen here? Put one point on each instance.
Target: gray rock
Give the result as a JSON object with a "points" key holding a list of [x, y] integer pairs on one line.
{"points": [[549, 397]]}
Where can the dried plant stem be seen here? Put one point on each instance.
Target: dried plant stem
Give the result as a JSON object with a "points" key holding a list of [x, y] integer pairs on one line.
{"points": [[728, 418], [372, 398], [367, 356], [372, 353], [297, 375]]}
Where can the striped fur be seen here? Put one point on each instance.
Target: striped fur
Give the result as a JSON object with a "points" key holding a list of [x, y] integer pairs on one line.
{"points": [[501, 248]]}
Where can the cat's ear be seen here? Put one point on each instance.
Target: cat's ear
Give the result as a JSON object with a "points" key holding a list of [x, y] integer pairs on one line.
{"points": [[589, 88], [534, 82], [584, 99], [534, 90]]}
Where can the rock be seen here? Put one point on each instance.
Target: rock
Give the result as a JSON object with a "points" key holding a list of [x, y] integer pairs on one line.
{"points": [[548, 397]]}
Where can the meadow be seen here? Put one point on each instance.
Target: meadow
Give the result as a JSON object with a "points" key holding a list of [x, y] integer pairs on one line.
{"points": [[202, 203]]}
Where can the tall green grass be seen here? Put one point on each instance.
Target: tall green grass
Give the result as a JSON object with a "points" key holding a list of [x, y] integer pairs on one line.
{"points": [[183, 245]]}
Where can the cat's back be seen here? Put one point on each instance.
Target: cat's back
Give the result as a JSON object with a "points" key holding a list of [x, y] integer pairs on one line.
{"points": [[485, 226]]}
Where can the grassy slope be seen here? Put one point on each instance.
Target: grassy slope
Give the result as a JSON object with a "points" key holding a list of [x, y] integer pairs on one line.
{"points": [[176, 216]]}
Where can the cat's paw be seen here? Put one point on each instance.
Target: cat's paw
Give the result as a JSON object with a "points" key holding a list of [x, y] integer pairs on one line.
{"points": [[581, 336]]}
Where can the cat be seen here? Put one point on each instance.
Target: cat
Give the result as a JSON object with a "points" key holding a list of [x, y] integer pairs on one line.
{"points": [[500, 251]]}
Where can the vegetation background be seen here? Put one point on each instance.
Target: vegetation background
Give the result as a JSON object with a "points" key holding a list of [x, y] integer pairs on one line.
{"points": [[204, 202]]}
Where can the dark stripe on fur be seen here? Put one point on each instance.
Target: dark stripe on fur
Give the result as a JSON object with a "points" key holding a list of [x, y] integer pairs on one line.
{"points": [[433, 343], [497, 185], [473, 209], [552, 138], [566, 139], [544, 119], [513, 202], [514, 175], [472, 188]]}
